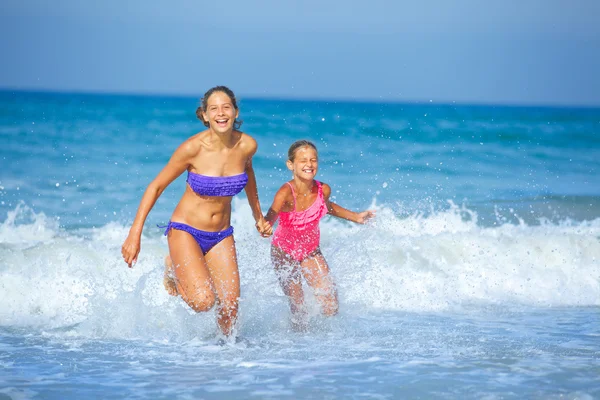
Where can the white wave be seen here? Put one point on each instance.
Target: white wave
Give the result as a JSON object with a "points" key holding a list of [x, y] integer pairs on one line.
{"points": [[24, 227], [78, 283]]}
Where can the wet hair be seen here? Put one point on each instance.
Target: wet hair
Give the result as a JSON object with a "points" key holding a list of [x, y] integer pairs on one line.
{"points": [[204, 104], [296, 145]]}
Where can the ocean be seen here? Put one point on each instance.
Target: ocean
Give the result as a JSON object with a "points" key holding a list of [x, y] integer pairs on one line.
{"points": [[479, 277]]}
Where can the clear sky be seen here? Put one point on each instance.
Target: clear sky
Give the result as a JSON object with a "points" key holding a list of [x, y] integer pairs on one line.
{"points": [[464, 51]]}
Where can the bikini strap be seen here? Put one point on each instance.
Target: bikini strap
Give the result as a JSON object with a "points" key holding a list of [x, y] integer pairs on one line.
{"points": [[293, 195]]}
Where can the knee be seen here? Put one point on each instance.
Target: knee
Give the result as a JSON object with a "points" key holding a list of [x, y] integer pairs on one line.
{"points": [[228, 306], [331, 308], [329, 303], [202, 301]]}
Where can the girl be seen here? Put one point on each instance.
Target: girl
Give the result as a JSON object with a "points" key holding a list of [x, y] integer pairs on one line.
{"points": [[300, 204], [202, 267]]}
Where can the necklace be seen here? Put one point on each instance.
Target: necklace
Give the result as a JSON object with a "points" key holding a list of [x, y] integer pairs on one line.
{"points": [[308, 191]]}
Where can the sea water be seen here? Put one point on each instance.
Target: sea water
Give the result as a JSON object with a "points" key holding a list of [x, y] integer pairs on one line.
{"points": [[479, 277]]}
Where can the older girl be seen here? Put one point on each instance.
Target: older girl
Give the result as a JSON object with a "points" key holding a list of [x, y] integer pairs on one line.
{"points": [[202, 267]]}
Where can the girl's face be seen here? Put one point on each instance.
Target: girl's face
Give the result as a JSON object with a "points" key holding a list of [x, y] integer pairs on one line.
{"points": [[305, 164], [220, 112]]}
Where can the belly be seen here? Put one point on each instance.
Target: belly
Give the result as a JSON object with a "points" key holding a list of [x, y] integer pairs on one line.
{"points": [[207, 213]]}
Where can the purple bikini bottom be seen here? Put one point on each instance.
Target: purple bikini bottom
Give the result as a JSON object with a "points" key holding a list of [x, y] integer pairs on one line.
{"points": [[206, 240]]}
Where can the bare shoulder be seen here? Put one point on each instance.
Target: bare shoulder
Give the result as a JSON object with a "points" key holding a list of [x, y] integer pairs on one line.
{"points": [[284, 190], [193, 145], [248, 144], [284, 198], [326, 189]]}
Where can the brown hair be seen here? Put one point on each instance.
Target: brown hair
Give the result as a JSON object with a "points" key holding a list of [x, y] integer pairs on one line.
{"points": [[204, 104], [296, 145]]}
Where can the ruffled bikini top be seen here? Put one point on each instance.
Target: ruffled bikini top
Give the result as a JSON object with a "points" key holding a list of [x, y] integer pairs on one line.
{"points": [[309, 218], [205, 185]]}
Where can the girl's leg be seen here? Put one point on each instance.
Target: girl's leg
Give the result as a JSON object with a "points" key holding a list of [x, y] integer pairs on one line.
{"points": [[191, 275], [168, 279], [290, 279], [316, 273], [223, 269]]}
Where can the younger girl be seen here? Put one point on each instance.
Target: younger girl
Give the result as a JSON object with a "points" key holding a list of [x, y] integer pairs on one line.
{"points": [[300, 204]]}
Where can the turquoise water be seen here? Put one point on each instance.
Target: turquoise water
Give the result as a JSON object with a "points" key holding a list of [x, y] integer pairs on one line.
{"points": [[480, 277]]}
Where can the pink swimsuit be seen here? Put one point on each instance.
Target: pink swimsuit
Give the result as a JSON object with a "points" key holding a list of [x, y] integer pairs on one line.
{"points": [[298, 232]]}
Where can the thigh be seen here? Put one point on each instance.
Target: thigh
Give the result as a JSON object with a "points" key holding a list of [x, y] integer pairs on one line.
{"points": [[189, 265], [286, 267], [223, 268], [317, 275], [316, 271]]}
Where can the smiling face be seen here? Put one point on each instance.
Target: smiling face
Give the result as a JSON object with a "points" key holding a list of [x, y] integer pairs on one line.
{"points": [[305, 163], [220, 112]]}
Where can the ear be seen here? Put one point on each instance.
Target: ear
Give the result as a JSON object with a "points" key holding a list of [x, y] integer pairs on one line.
{"points": [[204, 118], [290, 165], [237, 113]]}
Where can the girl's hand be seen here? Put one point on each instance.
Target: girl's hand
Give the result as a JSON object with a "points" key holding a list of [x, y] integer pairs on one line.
{"points": [[364, 216], [130, 250], [264, 228]]}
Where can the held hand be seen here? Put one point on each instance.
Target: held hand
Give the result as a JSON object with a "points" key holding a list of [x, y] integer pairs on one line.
{"points": [[365, 216], [130, 250], [264, 228]]}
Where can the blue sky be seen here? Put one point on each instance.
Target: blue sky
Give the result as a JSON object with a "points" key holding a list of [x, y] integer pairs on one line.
{"points": [[464, 51]]}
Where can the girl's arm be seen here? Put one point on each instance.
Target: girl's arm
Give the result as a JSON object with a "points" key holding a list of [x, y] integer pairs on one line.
{"points": [[178, 163], [279, 204], [252, 192], [341, 212]]}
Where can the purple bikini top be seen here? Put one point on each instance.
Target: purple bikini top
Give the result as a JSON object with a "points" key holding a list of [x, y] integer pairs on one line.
{"points": [[217, 185]]}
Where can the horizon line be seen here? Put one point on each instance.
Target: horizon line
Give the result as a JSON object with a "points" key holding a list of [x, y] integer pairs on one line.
{"points": [[368, 100]]}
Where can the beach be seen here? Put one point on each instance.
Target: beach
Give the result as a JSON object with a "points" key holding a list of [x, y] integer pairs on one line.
{"points": [[479, 278]]}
